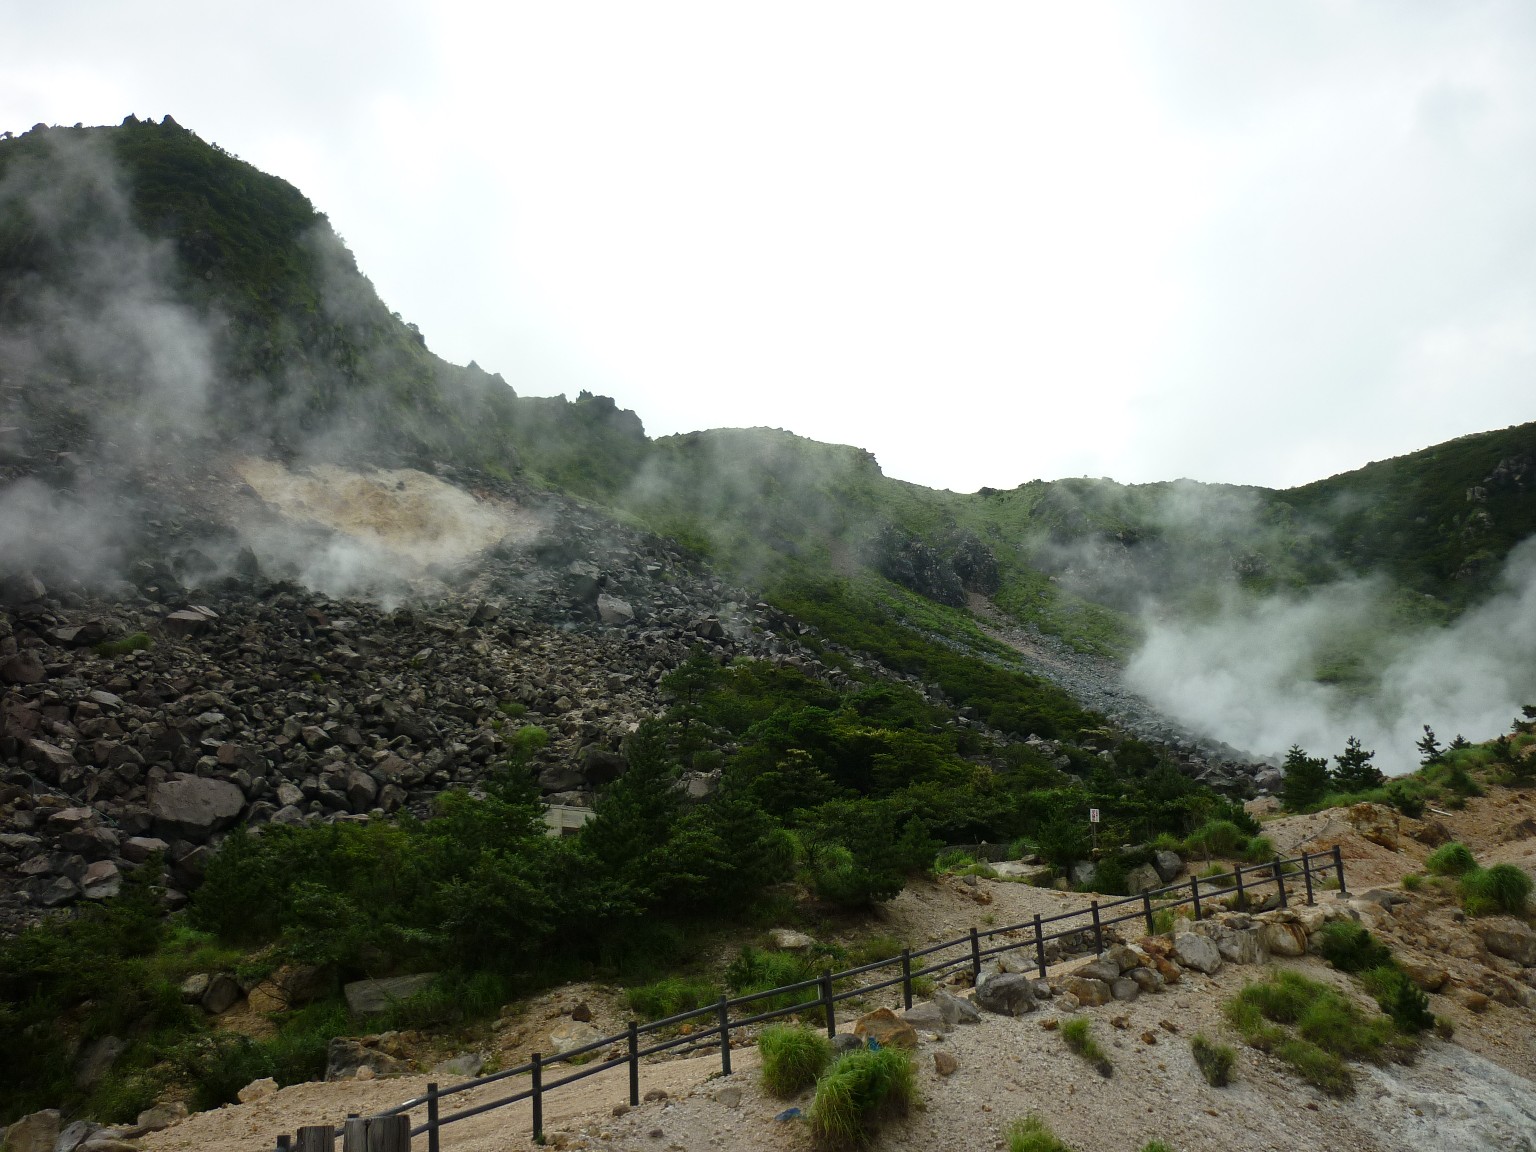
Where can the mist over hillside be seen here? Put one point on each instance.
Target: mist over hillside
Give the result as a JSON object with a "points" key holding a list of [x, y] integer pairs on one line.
{"points": [[162, 302]]}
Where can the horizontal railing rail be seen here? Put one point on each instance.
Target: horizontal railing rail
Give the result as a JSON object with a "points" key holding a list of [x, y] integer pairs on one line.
{"points": [[1311, 869]]}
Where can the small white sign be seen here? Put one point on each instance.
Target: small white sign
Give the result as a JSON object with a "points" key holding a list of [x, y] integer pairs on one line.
{"points": [[1093, 815]]}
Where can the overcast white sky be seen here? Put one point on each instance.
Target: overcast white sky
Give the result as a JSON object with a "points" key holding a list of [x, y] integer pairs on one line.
{"points": [[1254, 242]]}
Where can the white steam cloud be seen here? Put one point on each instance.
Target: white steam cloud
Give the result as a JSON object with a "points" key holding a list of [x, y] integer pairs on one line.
{"points": [[1247, 676]]}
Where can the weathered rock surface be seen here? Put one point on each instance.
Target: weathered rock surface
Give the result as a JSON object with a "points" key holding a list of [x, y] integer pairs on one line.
{"points": [[36, 1132], [370, 997], [886, 1028], [1005, 993], [1198, 952]]}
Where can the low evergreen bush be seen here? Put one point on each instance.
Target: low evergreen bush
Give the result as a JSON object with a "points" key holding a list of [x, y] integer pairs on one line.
{"points": [[1453, 859], [1488, 892]]}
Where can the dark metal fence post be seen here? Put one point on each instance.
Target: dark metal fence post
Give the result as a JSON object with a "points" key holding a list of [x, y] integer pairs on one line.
{"points": [[538, 1098], [1039, 946], [975, 956], [1306, 874], [827, 1002], [724, 1012], [1280, 881], [1338, 867], [1242, 897], [1098, 931], [1194, 888], [906, 977], [434, 1139], [634, 1065], [1146, 906]]}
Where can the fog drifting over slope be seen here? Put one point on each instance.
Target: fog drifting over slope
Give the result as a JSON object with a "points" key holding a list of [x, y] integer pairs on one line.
{"points": [[1246, 675]]}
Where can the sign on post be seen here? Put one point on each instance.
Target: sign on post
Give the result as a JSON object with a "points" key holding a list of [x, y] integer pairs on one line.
{"points": [[1093, 822], [1093, 815]]}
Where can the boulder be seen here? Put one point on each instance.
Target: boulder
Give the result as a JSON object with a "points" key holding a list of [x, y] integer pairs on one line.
{"points": [[945, 1064], [465, 1065], [194, 807], [929, 1016], [956, 1009], [157, 1118], [345, 1057], [1429, 977], [1103, 969], [193, 621], [1168, 865], [370, 997], [788, 940], [1377, 823], [1147, 979], [1083, 874], [1090, 993], [222, 993], [1144, 878], [37, 1132], [1241, 946], [572, 1034], [886, 1028], [49, 891], [96, 1059], [1005, 993], [1197, 952], [1511, 939], [258, 1090], [613, 611], [101, 880], [75, 1135], [1282, 938], [23, 668], [1124, 988], [137, 849]]}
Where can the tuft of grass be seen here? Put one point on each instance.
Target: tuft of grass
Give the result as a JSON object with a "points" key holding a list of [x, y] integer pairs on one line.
{"points": [[1157, 1146], [1079, 1038], [1502, 888], [1412, 882], [873, 948], [669, 996], [1400, 998], [1217, 838], [135, 642], [760, 969], [859, 1091], [1261, 850], [793, 1057], [1032, 1134], [1215, 1060], [953, 860], [1453, 859]]}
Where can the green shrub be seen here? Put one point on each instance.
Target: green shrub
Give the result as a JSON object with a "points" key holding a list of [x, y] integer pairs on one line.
{"points": [[1502, 888], [1349, 947], [1413, 881], [793, 1056], [1214, 1060], [1217, 838], [1157, 1146], [1078, 1037], [1400, 998], [1032, 1134], [953, 860], [669, 996], [1407, 796], [1261, 850], [1453, 859], [873, 948], [859, 1091]]}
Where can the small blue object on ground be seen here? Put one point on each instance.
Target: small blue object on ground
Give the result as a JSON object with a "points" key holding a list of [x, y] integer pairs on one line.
{"points": [[788, 1114]]}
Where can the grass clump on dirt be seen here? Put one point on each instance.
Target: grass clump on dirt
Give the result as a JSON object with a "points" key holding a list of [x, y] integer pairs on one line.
{"points": [[1032, 1134], [1350, 947], [793, 1056], [1078, 1037], [135, 642], [1453, 859], [1315, 1029], [859, 1092], [1490, 891], [1214, 1060]]}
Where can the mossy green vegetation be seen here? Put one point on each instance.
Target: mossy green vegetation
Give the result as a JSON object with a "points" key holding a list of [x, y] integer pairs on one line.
{"points": [[1032, 1134], [1315, 1029], [1502, 889], [861, 1090], [1077, 1034], [1215, 1060]]}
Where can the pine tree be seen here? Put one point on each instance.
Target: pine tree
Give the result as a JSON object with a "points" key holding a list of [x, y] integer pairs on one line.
{"points": [[1306, 779], [1355, 772], [1429, 747]]}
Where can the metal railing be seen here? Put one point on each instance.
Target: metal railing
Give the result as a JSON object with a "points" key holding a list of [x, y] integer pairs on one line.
{"points": [[390, 1131]]}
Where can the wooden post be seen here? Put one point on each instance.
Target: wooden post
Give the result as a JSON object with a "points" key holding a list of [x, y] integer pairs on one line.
{"points": [[1306, 874], [724, 1012], [827, 1002], [284, 1143], [634, 1065], [434, 1139], [354, 1135], [1280, 881], [1098, 930], [1146, 906], [316, 1138], [1194, 887], [906, 977], [1039, 946], [1242, 897], [975, 956], [1338, 868], [538, 1099]]}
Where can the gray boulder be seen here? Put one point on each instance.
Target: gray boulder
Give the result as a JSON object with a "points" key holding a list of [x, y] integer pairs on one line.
{"points": [[194, 807], [37, 1132], [956, 1009], [929, 1016], [1144, 878], [1512, 940], [613, 611], [345, 1057], [1005, 993], [1168, 865], [1197, 952], [1083, 874], [222, 994], [370, 997]]}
